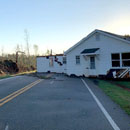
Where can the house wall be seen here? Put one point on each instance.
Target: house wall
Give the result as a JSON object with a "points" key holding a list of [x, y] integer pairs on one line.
{"points": [[107, 46], [43, 65]]}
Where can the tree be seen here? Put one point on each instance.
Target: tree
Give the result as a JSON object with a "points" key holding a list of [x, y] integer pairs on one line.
{"points": [[2, 51], [28, 47], [48, 52], [17, 48], [35, 47], [127, 36], [27, 41]]}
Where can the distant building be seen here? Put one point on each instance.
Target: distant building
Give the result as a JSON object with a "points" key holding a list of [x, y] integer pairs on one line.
{"points": [[98, 54]]}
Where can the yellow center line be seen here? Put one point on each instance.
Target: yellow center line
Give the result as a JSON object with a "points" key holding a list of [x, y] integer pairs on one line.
{"points": [[18, 92]]}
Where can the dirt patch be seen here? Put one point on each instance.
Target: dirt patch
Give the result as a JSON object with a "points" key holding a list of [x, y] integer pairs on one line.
{"points": [[95, 81], [41, 75]]}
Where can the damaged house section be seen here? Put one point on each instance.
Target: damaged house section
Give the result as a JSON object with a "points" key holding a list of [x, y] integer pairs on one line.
{"points": [[100, 54], [51, 63]]}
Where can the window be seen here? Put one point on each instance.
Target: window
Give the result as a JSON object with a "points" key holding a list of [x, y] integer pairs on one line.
{"points": [[92, 62], [64, 60], [115, 60], [126, 59], [51, 61], [77, 59]]}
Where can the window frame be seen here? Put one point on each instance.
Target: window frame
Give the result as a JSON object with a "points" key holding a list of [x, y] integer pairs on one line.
{"points": [[92, 63], [77, 59], [64, 60], [114, 60], [123, 59]]}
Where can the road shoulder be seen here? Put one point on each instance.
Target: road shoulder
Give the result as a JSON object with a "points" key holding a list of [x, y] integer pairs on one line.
{"points": [[118, 115]]}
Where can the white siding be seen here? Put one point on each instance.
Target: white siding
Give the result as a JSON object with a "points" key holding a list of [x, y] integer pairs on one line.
{"points": [[107, 46], [43, 65]]}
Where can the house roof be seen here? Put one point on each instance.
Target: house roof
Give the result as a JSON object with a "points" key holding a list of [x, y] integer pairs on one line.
{"points": [[112, 35], [92, 50], [116, 35]]}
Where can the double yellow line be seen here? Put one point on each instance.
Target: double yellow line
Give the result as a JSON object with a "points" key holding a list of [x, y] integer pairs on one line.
{"points": [[18, 92]]}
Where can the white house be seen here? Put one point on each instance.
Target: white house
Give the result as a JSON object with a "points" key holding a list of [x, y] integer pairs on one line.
{"points": [[98, 54]]}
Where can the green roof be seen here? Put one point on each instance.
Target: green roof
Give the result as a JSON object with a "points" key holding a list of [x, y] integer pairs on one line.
{"points": [[92, 50]]}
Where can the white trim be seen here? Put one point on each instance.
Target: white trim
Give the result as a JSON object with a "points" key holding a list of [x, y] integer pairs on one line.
{"points": [[121, 61], [89, 54], [106, 114]]}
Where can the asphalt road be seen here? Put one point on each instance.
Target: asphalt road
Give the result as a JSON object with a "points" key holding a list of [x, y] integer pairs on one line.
{"points": [[60, 103]]}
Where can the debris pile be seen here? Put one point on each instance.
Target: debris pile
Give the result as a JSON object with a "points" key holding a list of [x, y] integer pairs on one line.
{"points": [[8, 67]]}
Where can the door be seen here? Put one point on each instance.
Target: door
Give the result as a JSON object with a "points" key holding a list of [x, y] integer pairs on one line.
{"points": [[92, 68]]}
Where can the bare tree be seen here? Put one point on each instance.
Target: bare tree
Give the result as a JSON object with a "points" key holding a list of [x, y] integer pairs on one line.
{"points": [[35, 49], [17, 55], [21, 47], [48, 52], [27, 41], [2, 51], [28, 46], [17, 48]]}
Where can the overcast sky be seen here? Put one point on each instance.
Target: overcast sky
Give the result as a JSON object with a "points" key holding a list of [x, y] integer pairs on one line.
{"points": [[59, 24]]}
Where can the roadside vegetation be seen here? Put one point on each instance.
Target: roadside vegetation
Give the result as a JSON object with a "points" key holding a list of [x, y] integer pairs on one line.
{"points": [[12, 75], [6, 76], [9, 67], [124, 84], [21, 60], [118, 94]]}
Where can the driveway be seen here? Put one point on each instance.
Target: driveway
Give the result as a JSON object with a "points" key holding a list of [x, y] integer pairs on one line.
{"points": [[59, 103]]}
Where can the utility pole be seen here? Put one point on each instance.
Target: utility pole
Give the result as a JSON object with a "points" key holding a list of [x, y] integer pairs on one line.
{"points": [[17, 52], [51, 52]]}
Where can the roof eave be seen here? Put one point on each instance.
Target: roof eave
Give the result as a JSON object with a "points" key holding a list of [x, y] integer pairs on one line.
{"points": [[113, 36]]}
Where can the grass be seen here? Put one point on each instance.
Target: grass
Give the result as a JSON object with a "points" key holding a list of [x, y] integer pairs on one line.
{"points": [[117, 94], [5, 76], [22, 73], [8, 76], [123, 83], [28, 72]]}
